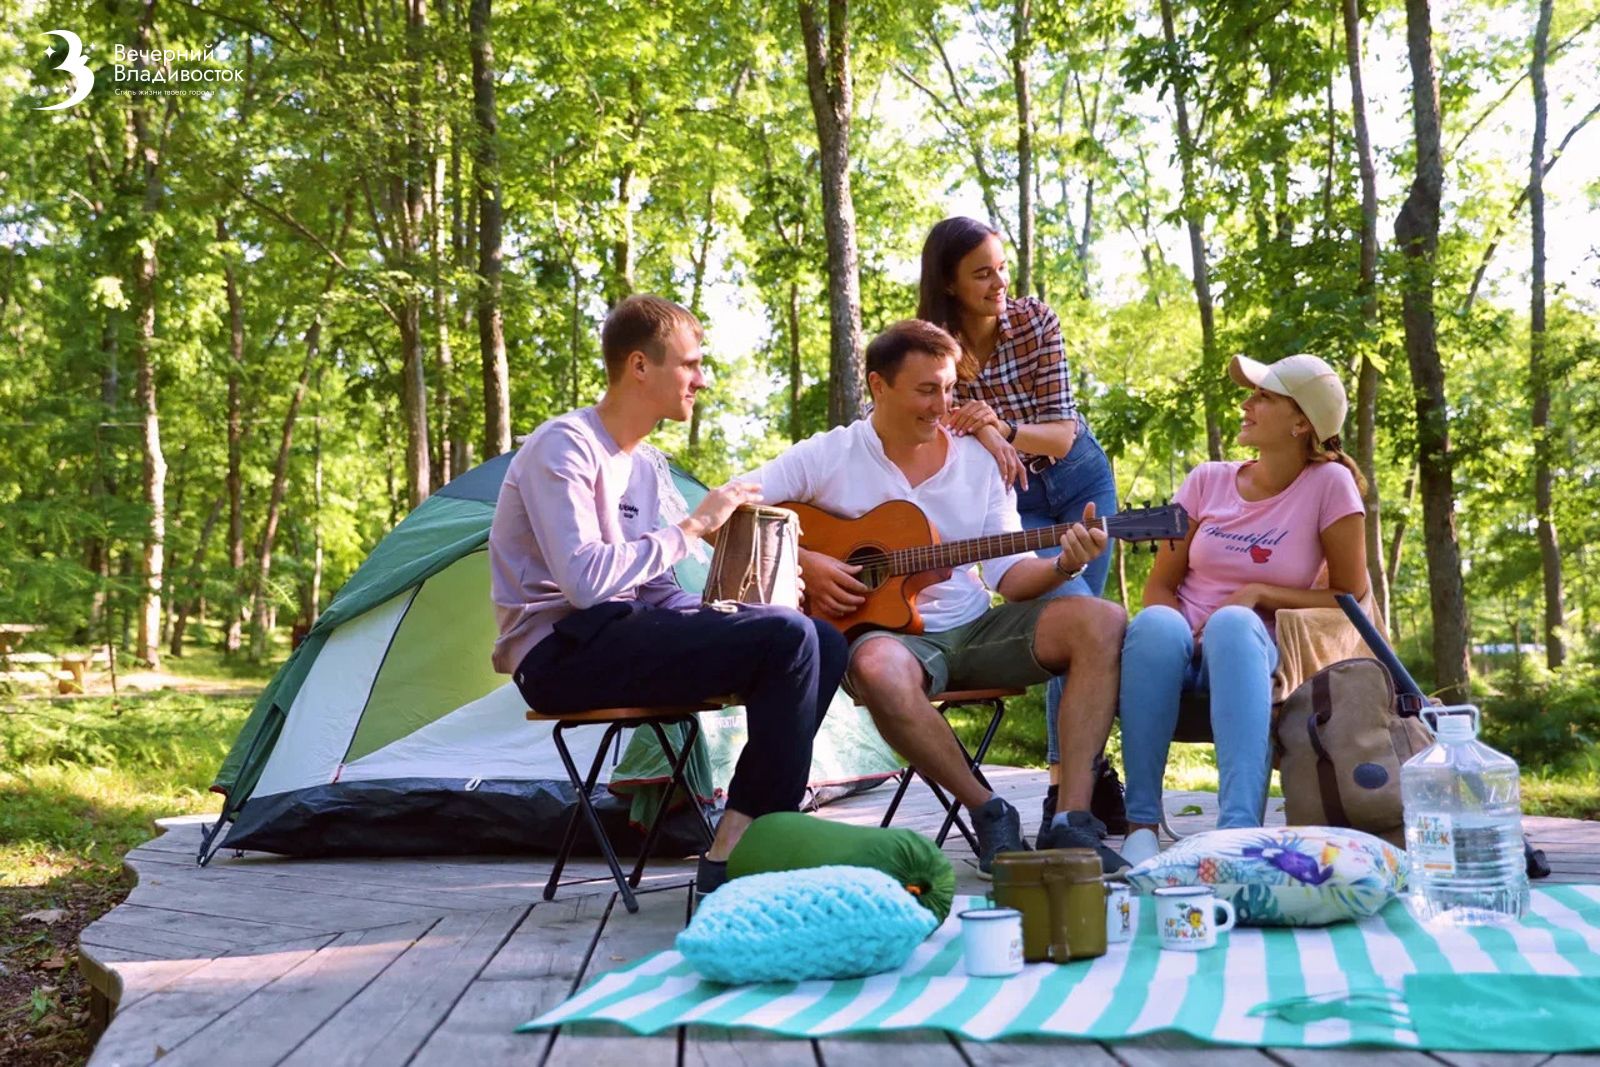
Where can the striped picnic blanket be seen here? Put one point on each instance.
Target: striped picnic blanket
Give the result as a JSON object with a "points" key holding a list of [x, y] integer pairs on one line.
{"points": [[1336, 985]]}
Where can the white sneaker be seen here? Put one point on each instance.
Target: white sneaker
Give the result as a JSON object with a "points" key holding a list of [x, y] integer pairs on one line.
{"points": [[1139, 846]]}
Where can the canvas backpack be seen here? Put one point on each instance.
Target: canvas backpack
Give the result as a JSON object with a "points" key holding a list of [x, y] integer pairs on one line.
{"points": [[1341, 738]]}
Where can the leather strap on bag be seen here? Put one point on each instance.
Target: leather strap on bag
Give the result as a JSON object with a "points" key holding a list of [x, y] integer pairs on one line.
{"points": [[1327, 778]]}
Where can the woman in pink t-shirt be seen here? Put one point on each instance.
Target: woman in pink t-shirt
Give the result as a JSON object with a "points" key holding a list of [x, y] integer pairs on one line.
{"points": [[1283, 530]]}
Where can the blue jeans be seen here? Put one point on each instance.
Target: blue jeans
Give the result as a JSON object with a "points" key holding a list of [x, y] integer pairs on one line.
{"points": [[1055, 496], [1235, 662]]}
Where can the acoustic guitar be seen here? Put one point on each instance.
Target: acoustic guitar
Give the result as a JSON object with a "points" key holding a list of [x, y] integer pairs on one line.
{"points": [[900, 554]]}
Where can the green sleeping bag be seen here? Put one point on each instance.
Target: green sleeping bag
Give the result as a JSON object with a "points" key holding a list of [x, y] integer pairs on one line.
{"points": [[788, 840]]}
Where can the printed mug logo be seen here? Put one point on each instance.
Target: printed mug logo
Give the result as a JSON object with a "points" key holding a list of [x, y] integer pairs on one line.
{"points": [[73, 64], [1189, 924]]}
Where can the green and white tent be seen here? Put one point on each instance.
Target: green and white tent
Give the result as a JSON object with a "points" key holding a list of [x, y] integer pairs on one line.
{"points": [[388, 732]]}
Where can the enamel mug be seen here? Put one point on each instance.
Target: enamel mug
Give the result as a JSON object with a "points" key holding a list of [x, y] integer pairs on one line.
{"points": [[1189, 917]]}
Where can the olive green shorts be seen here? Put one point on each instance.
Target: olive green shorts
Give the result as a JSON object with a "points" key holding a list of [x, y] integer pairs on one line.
{"points": [[993, 651]]}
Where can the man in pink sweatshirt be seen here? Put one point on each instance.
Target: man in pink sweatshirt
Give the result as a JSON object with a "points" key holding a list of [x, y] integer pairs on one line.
{"points": [[590, 613]]}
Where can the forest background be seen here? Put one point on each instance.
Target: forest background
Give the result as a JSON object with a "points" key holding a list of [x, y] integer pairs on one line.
{"points": [[288, 267]]}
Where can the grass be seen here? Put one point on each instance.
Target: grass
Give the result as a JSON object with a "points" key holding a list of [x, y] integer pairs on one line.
{"points": [[1571, 791], [80, 783]]}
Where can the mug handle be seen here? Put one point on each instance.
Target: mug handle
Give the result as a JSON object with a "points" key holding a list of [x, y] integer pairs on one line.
{"points": [[1223, 907]]}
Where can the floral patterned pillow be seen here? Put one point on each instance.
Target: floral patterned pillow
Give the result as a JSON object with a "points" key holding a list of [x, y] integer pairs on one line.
{"points": [[1285, 875]]}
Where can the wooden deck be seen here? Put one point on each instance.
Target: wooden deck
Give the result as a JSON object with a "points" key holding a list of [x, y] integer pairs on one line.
{"points": [[263, 960]]}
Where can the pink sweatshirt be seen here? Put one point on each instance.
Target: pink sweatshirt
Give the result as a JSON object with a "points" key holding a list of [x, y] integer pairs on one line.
{"points": [[577, 523], [1276, 541]]}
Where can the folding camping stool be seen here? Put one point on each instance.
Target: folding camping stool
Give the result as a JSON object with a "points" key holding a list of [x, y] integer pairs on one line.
{"points": [[615, 721], [995, 699]]}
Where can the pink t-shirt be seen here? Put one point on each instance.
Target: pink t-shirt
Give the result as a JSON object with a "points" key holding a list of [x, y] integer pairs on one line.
{"points": [[1276, 541]]}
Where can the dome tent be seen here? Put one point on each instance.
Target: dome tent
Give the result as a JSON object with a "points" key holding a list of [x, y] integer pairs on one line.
{"points": [[387, 732]]}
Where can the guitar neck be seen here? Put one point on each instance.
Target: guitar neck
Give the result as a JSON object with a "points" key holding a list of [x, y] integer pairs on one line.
{"points": [[974, 549]]}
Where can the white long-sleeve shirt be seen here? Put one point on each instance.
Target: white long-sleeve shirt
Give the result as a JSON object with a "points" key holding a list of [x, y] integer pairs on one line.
{"points": [[577, 523], [845, 471]]}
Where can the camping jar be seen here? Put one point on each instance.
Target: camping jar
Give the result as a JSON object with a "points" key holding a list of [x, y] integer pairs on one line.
{"points": [[1062, 900]]}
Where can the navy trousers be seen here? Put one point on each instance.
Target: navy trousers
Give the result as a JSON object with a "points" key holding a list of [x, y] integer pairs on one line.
{"points": [[784, 666]]}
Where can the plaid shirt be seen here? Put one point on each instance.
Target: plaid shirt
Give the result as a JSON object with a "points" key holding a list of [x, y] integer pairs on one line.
{"points": [[1026, 380]]}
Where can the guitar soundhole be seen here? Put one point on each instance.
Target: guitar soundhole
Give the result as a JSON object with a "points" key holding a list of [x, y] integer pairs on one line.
{"points": [[874, 566]]}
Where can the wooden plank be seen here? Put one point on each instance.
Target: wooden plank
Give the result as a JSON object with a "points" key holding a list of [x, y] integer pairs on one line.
{"points": [[1180, 1050], [303, 910], [267, 1025], [1040, 1051], [624, 937], [705, 1046], [1493, 1059], [157, 943], [182, 924], [480, 1029], [421, 885], [927, 1048], [144, 1032], [553, 941], [393, 1015], [1352, 1057]]}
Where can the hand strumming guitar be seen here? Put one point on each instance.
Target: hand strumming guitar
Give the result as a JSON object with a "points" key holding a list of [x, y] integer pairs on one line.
{"points": [[830, 585]]}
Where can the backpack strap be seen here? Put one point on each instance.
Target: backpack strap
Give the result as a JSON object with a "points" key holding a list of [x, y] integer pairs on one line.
{"points": [[1327, 777]]}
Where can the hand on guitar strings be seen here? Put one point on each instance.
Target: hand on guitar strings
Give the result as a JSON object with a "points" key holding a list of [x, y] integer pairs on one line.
{"points": [[830, 584], [718, 504], [1082, 542]]}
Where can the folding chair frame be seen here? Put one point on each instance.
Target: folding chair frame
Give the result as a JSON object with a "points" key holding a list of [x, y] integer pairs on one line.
{"points": [[944, 702], [586, 813]]}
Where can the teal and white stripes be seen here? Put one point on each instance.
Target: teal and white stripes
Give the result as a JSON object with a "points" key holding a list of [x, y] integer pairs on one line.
{"points": [[1135, 988]]}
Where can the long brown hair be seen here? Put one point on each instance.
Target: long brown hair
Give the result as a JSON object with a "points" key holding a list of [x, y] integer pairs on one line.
{"points": [[1332, 451], [947, 244]]}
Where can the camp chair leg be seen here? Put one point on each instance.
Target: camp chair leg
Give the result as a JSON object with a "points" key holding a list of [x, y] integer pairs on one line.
{"points": [[676, 761], [899, 794], [587, 813]]}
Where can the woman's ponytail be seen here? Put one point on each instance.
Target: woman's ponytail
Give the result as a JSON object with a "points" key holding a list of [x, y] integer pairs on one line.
{"points": [[1332, 451]]}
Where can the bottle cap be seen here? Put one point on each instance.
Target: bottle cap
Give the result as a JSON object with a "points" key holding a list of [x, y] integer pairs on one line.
{"points": [[1455, 727]]}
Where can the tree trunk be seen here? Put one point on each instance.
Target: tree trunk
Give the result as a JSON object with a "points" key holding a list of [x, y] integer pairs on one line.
{"points": [[235, 479], [1366, 439], [1538, 370], [147, 163], [1210, 362], [262, 613], [794, 362], [1397, 538], [486, 176], [828, 79], [102, 486], [196, 580], [443, 401], [1417, 230], [1021, 46], [413, 353]]}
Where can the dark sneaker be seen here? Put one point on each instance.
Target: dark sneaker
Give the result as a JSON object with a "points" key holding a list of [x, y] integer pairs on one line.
{"points": [[1106, 803], [1046, 813], [1082, 830], [709, 876], [999, 829]]}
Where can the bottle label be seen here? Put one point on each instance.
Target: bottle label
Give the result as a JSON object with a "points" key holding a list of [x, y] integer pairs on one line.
{"points": [[1436, 843]]}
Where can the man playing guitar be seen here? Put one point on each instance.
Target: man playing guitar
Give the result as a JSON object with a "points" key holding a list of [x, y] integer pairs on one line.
{"points": [[903, 452]]}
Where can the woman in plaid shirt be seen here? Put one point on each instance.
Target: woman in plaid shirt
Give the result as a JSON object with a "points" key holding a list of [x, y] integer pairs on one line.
{"points": [[1014, 392]]}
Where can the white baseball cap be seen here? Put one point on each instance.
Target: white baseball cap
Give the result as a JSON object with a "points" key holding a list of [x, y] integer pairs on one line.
{"points": [[1306, 380]]}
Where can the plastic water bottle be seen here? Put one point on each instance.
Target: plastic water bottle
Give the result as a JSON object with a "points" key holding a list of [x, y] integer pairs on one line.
{"points": [[1463, 812]]}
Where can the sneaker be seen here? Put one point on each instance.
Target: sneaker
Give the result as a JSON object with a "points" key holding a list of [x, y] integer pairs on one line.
{"points": [[999, 829], [1046, 813], [1107, 804], [1079, 829], [1140, 846], [709, 876]]}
